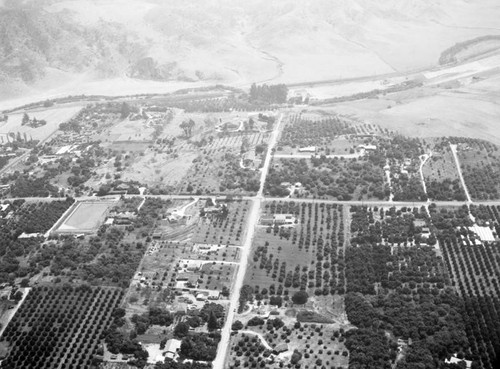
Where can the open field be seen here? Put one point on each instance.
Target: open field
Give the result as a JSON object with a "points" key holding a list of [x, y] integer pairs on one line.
{"points": [[53, 117], [162, 170], [127, 130], [85, 217], [347, 88], [206, 161], [468, 110]]}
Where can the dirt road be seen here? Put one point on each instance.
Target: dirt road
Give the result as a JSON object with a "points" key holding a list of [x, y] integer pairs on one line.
{"points": [[459, 169]]}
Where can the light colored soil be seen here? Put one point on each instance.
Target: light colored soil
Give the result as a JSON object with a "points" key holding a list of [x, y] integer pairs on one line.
{"points": [[160, 168], [54, 117], [470, 111], [86, 216]]}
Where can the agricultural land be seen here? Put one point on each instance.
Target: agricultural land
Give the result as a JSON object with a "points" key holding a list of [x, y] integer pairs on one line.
{"points": [[265, 227]]}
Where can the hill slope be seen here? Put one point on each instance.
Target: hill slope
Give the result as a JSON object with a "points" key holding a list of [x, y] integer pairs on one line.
{"points": [[69, 46]]}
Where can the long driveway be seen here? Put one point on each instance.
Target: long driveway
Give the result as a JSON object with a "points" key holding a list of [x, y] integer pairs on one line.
{"points": [[459, 169]]}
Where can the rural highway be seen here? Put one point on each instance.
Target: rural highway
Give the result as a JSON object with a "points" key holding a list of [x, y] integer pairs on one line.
{"points": [[253, 221], [251, 198]]}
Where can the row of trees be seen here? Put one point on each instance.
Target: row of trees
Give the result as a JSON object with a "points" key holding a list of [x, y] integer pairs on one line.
{"points": [[59, 324], [300, 132], [268, 94]]}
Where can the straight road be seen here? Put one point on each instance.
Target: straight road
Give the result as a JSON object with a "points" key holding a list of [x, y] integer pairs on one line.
{"points": [[252, 198], [459, 169], [423, 160], [253, 221]]}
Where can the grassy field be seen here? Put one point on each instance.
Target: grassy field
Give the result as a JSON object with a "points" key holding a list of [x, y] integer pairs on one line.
{"points": [[217, 168], [160, 169], [127, 130], [54, 117], [469, 110], [206, 162]]}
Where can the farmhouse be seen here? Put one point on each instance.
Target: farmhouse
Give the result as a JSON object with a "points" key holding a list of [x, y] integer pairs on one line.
{"points": [[368, 147], [5, 292], [278, 219], [455, 360], [210, 295], [46, 159], [308, 149], [192, 265], [4, 189], [282, 219], [186, 280], [30, 235], [124, 218], [282, 347], [268, 221], [171, 348], [484, 233]]}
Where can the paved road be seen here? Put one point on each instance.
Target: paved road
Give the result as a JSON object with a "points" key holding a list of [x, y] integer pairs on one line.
{"points": [[253, 221], [252, 198], [459, 169]]}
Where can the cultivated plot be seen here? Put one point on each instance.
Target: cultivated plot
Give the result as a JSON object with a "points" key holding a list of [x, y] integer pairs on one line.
{"points": [[64, 324]]}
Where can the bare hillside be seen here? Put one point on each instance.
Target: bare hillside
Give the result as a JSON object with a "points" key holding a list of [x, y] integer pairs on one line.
{"points": [[56, 47]]}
